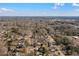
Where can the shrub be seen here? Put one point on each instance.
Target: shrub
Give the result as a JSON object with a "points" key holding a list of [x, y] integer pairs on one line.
{"points": [[65, 41]]}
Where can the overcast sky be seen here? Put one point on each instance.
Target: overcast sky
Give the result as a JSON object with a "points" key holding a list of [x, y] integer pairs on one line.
{"points": [[39, 9]]}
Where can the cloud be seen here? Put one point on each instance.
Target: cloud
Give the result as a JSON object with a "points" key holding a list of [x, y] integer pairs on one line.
{"points": [[59, 4], [56, 5], [6, 10], [75, 4]]}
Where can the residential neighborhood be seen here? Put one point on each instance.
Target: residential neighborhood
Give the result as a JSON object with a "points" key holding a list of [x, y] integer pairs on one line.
{"points": [[50, 37]]}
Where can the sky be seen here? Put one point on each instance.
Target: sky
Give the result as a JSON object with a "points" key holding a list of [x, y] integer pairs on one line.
{"points": [[39, 9]]}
